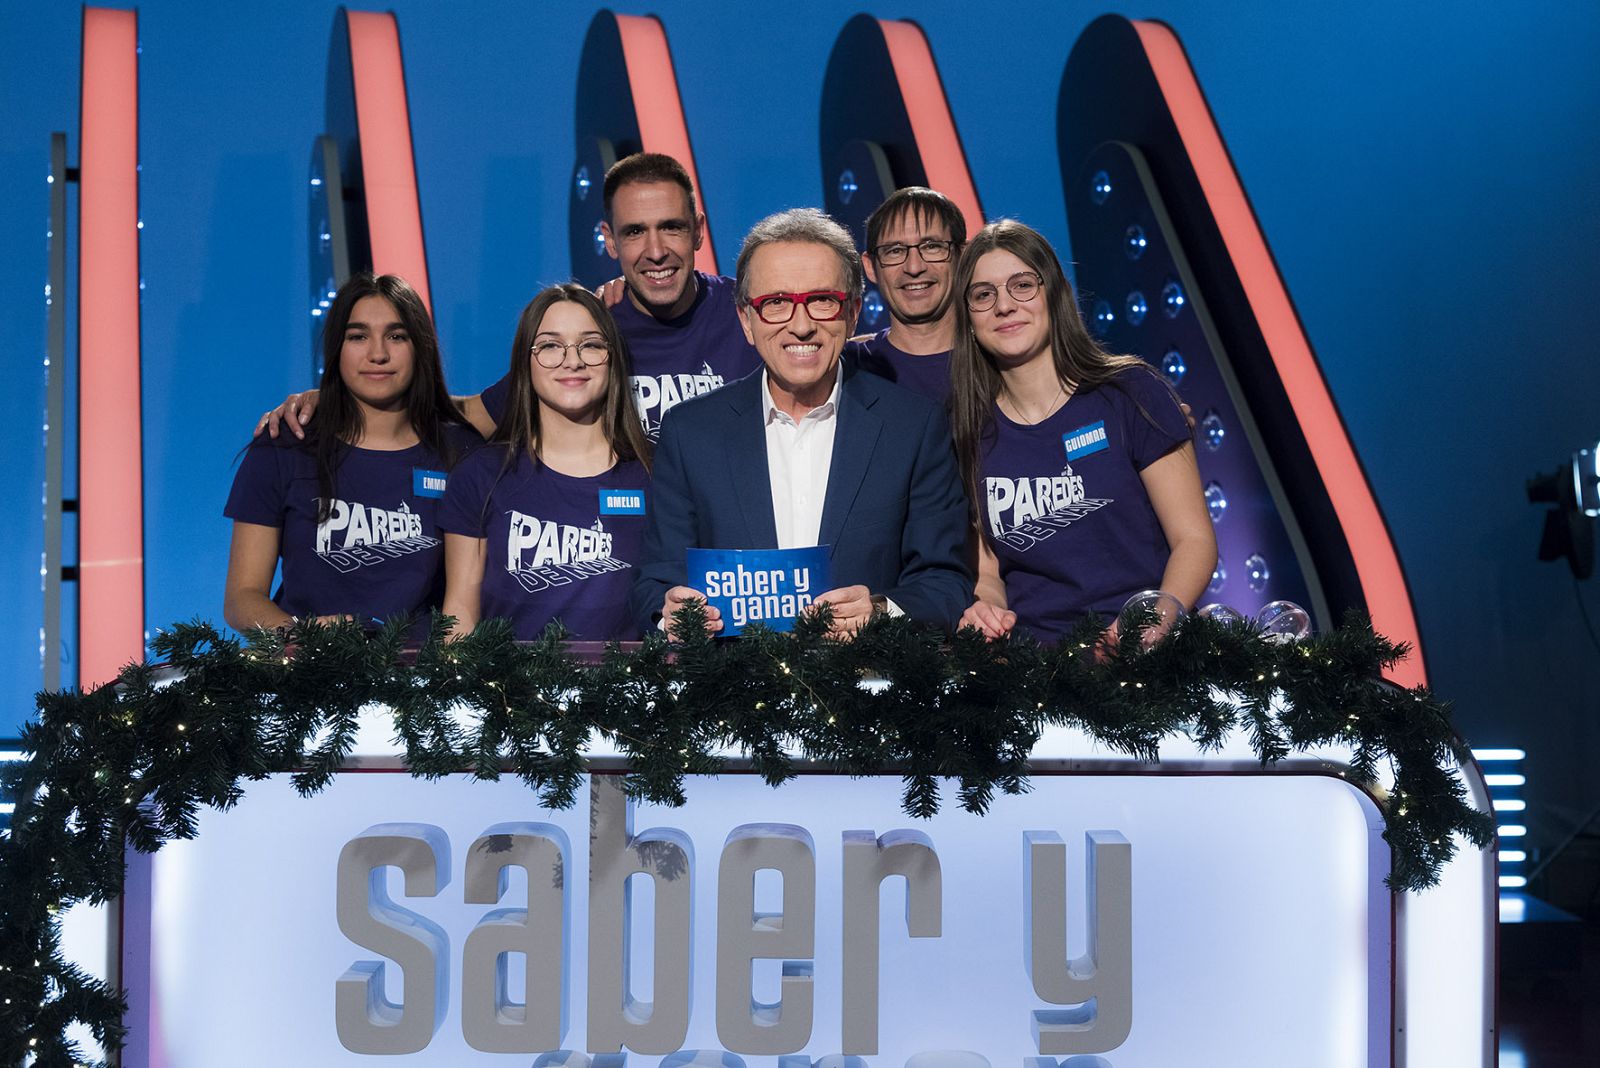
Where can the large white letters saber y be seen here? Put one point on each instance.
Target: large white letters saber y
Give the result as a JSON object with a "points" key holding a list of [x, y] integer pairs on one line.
{"points": [[490, 1020], [367, 1021], [868, 860], [616, 854], [745, 936], [1098, 986]]}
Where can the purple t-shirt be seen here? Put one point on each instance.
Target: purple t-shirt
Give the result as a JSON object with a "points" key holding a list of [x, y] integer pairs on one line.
{"points": [[559, 547], [379, 552], [673, 359], [927, 375], [1065, 510]]}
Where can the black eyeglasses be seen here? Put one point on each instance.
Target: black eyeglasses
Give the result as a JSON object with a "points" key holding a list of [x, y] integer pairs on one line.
{"points": [[550, 353], [823, 305], [931, 249], [1023, 286]]}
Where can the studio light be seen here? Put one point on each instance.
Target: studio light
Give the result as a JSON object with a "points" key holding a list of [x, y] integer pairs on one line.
{"points": [[1574, 491]]}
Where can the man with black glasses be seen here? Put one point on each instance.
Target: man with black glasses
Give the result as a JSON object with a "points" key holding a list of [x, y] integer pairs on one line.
{"points": [[913, 240], [807, 453]]}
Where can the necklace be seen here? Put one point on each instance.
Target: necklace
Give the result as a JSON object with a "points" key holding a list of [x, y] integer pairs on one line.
{"points": [[1055, 402]]}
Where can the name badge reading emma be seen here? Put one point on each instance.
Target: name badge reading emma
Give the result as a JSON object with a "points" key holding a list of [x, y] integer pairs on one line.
{"points": [[1085, 441], [425, 483], [622, 502]]}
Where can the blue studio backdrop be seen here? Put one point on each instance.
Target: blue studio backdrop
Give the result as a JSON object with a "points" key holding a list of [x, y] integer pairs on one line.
{"points": [[1423, 176]]}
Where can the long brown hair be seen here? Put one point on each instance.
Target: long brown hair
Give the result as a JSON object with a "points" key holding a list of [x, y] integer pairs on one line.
{"points": [[519, 428], [339, 420], [975, 383]]}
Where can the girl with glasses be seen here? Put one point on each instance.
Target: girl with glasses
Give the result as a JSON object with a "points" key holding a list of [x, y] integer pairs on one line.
{"points": [[350, 511], [547, 522], [1078, 463]]}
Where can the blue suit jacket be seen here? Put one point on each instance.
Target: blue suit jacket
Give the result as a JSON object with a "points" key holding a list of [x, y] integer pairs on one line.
{"points": [[894, 512]]}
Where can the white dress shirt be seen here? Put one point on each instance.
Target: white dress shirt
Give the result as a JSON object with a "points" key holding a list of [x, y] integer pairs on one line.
{"points": [[799, 456]]}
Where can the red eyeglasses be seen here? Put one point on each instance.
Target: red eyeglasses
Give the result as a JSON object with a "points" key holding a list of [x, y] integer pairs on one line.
{"points": [[823, 305]]}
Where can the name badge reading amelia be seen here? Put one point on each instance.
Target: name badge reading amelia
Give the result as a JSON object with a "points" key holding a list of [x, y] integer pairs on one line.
{"points": [[425, 483], [622, 502], [1085, 441]]}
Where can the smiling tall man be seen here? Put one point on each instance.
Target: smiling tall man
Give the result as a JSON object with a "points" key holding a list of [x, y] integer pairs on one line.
{"points": [[807, 453], [680, 324]]}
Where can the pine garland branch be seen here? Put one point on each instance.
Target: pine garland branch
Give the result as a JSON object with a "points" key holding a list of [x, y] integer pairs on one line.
{"points": [[134, 762]]}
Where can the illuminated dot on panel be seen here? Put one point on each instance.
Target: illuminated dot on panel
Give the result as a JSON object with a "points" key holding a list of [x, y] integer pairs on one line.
{"points": [[1134, 242], [1219, 576], [1100, 187], [1513, 856], [847, 186], [1136, 308], [582, 183], [1256, 573], [1212, 431], [1172, 299], [1513, 882], [316, 182], [599, 240], [1173, 367], [872, 307], [1104, 317], [1216, 501], [316, 312]]}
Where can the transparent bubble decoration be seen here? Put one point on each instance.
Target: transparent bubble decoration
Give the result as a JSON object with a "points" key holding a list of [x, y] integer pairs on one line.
{"points": [[1104, 317], [1221, 613], [1166, 609], [1216, 501], [1212, 431], [599, 239], [1100, 187], [1256, 573], [1173, 366], [1172, 299], [1136, 308], [1219, 576], [1134, 242], [1284, 621]]}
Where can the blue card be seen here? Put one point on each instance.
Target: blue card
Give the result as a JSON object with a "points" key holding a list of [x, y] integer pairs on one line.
{"points": [[766, 586]]}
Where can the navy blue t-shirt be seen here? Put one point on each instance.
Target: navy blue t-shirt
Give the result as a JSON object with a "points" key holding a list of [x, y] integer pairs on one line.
{"points": [[1065, 510], [673, 359], [559, 547], [927, 375], [379, 553]]}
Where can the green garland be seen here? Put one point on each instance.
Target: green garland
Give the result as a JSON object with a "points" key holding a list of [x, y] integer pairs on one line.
{"points": [[131, 763]]}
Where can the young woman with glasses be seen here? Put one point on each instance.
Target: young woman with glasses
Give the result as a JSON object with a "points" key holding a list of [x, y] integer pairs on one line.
{"points": [[350, 511], [1078, 463], [547, 522]]}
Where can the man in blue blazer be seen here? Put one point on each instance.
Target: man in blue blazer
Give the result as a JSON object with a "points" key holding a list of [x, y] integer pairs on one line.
{"points": [[805, 452]]}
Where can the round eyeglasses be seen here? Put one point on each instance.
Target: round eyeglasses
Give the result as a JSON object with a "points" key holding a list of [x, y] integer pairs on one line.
{"points": [[931, 249], [1023, 286], [550, 353], [822, 305]]}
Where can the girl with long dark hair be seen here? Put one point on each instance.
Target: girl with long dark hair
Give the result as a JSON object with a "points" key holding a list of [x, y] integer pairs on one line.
{"points": [[548, 521], [349, 512], [1078, 463]]}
